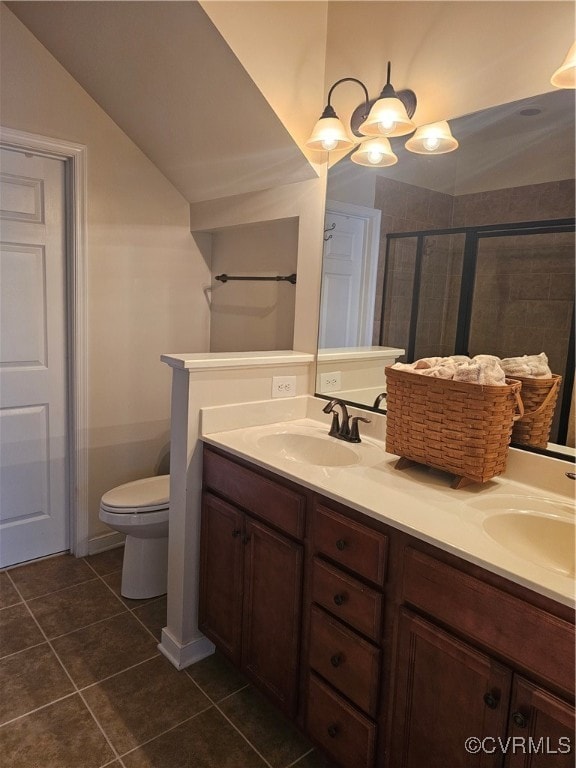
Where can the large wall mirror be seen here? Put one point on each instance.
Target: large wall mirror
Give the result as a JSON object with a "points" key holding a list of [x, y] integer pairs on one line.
{"points": [[470, 252]]}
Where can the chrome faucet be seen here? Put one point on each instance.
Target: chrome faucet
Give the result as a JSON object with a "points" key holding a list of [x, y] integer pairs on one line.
{"points": [[347, 429]]}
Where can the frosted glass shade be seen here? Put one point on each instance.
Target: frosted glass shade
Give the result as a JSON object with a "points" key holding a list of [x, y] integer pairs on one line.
{"points": [[565, 76], [329, 134], [388, 117], [374, 153], [432, 139]]}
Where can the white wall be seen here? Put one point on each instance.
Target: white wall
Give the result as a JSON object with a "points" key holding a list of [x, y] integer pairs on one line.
{"points": [[145, 273]]}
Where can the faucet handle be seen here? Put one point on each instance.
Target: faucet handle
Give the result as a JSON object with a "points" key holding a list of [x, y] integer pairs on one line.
{"points": [[354, 436], [335, 426]]}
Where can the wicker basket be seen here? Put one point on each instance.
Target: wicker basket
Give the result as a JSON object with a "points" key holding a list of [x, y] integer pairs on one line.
{"points": [[539, 397], [454, 426]]}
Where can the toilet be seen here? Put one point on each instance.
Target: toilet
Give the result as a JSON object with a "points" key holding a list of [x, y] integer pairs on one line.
{"points": [[140, 510]]}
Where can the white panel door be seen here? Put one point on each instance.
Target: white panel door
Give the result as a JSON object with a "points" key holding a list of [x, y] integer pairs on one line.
{"points": [[342, 276], [33, 378]]}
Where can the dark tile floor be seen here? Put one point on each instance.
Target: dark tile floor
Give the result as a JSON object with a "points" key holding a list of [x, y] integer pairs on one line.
{"points": [[83, 684]]}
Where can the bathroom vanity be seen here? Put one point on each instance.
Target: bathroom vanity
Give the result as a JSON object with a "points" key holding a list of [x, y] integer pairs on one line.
{"points": [[387, 649]]}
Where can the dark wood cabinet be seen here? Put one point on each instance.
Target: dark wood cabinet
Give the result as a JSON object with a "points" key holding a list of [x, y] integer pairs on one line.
{"points": [[251, 580], [345, 610], [446, 692], [545, 723], [221, 575], [388, 651], [457, 706], [271, 612]]}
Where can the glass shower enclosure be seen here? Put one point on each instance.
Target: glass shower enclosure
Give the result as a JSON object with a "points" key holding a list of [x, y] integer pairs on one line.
{"points": [[505, 290]]}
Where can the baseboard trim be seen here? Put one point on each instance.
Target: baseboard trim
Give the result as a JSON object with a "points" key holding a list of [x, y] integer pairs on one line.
{"points": [[104, 542], [182, 656]]}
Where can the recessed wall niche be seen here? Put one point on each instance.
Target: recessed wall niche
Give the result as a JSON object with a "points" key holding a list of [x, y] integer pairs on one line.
{"points": [[253, 315]]}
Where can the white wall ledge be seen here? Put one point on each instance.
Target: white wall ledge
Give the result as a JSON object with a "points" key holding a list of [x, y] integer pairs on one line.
{"points": [[201, 361], [357, 353]]}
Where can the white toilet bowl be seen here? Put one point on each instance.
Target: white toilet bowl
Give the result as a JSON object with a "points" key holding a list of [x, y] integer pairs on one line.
{"points": [[140, 510]]}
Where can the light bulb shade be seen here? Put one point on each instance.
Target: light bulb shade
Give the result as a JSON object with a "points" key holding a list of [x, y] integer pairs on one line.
{"points": [[388, 117], [328, 135], [432, 139], [565, 76], [374, 153]]}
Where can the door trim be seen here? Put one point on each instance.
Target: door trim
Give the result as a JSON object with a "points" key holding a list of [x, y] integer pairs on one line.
{"points": [[74, 157], [370, 261]]}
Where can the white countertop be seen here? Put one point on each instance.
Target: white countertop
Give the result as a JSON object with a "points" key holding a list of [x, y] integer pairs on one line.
{"points": [[417, 501]]}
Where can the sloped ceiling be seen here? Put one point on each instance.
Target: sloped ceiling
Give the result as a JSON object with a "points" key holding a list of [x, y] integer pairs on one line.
{"points": [[165, 75]]}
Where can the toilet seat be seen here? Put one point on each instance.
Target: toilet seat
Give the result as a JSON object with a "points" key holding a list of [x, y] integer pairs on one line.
{"points": [[151, 494]]}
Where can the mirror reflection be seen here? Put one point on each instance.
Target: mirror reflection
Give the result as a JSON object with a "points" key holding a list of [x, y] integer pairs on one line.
{"points": [[470, 252]]}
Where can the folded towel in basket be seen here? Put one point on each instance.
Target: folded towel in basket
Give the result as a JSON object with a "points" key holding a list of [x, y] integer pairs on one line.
{"points": [[529, 366], [482, 369]]}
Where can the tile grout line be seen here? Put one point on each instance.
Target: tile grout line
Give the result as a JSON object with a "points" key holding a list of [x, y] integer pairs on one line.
{"points": [[79, 690], [76, 689], [246, 739], [236, 728], [128, 608]]}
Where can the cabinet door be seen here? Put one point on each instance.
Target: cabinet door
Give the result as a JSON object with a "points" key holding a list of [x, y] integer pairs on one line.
{"points": [[221, 569], [446, 692], [541, 729], [272, 607]]}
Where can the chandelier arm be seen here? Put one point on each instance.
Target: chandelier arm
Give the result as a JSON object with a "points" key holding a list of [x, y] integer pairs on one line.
{"points": [[352, 80]]}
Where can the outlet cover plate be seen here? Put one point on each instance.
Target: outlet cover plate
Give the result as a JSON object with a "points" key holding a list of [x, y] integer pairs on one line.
{"points": [[330, 382], [283, 386]]}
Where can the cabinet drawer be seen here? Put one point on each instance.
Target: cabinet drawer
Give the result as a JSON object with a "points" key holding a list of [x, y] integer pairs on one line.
{"points": [[348, 599], [266, 499], [343, 732], [354, 546], [347, 661], [492, 617]]}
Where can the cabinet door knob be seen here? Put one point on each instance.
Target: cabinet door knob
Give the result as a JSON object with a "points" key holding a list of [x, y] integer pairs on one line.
{"points": [[333, 731], [236, 532], [341, 544], [246, 538], [336, 660], [339, 599], [491, 700], [520, 720]]}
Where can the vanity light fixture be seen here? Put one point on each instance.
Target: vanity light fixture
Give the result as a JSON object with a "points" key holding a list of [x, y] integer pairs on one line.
{"points": [[565, 75], [388, 115], [329, 132], [373, 122], [375, 153], [432, 139]]}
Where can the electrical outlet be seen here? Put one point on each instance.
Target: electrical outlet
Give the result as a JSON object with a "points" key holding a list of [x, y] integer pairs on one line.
{"points": [[283, 386], [330, 382]]}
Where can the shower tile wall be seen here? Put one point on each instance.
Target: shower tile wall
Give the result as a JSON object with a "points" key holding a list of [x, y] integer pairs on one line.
{"points": [[409, 208], [405, 208], [533, 202]]}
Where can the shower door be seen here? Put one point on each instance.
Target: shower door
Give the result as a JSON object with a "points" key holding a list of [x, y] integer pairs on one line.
{"points": [[505, 290]]}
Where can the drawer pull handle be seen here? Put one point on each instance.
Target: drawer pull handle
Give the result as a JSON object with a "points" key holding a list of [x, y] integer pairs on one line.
{"points": [[333, 731], [336, 660], [520, 720], [236, 532], [339, 599], [341, 544], [491, 700]]}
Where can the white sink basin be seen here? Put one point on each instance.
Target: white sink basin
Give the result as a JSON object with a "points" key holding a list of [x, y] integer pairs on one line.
{"points": [[318, 450], [539, 530]]}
